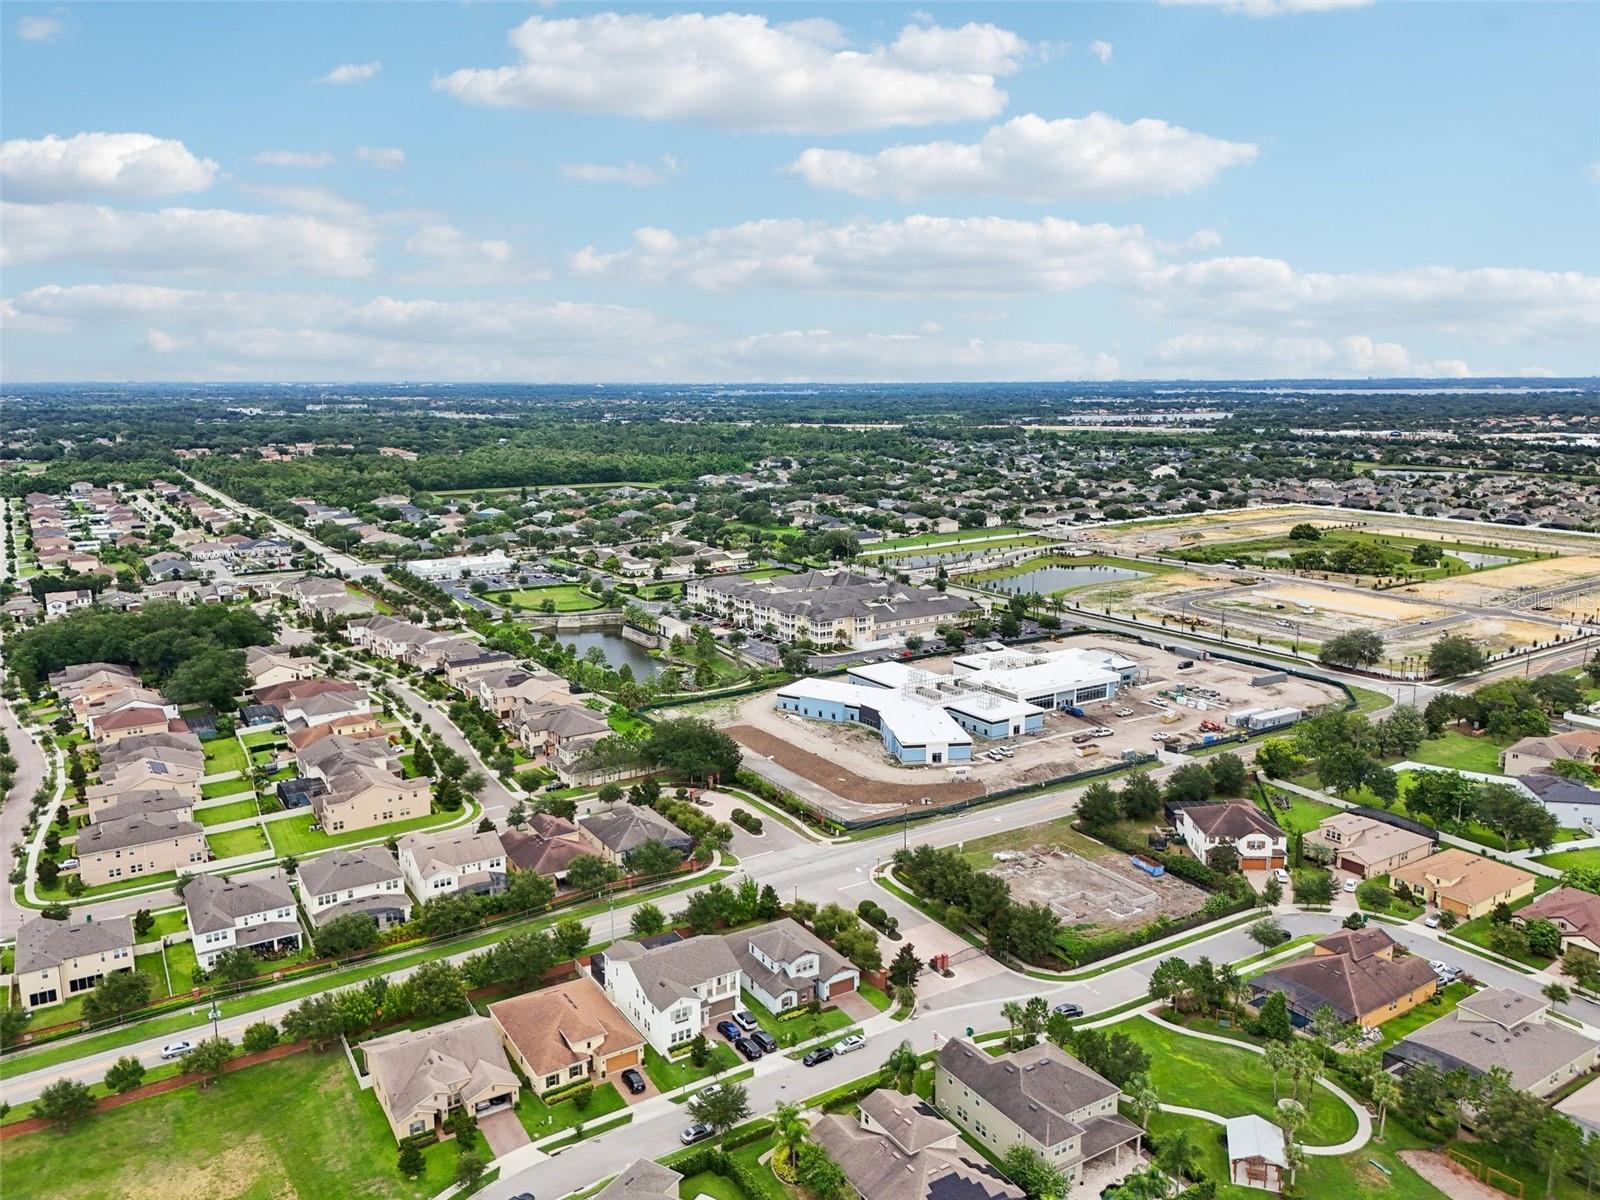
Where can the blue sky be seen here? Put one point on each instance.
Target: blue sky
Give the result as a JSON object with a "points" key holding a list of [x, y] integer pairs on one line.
{"points": [[1265, 188]]}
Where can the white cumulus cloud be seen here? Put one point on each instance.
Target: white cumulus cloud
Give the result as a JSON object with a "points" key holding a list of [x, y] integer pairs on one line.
{"points": [[1271, 8], [385, 158], [295, 158], [41, 28], [137, 165], [1096, 157], [463, 260], [1101, 50], [915, 255], [182, 240], [1248, 354], [346, 73], [801, 355], [739, 71], [630, 173]]}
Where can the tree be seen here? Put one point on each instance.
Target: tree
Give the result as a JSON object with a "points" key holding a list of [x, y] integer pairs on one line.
{"points": [[1305, 532], [527, 891], [1557, 1145], [692, 748], [1313, 886], [64, 1101], [346, 935], [523, 958], [410, 1163], [609, 794], [1277, 758], [905, 967], [259, 1036], [234, 965], [208, 1058], [1268, 932], [470, 1167], [1189, 784], [1272, 892], [721, 1107], [433, 990], [590, 872], [1454, 655], [1176, 1156], [464, 1129], [1098, 806], [1140, 1097], [1291, 1115], [316, 1020], [143, 922], [699, 1050], [1556, 993], [1359, 648], [899, 1070], [1029, 1171], [570, 936], [116, 995], [653, 858], [1583, 969], [13, 1021], [1228, 774], [1139, 797], [124, 1075], [1544, 938]]}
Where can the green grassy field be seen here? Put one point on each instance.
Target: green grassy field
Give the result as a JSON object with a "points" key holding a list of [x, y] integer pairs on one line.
{"points": [[295, 835], [541, 1119], [1397, 551], [799, 1029], [1461, 752], [668, 1075], [237, 841], [998, 533], [298, 1126], [1193, 1073], [224, 787], [224, 754], [221, 814], [566, 597], [1303, 814]]}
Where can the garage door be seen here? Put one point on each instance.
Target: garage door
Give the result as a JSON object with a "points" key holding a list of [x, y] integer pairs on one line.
{"points": [[847, 984], [1355, 868], [1253, 864], [618, 1061]]}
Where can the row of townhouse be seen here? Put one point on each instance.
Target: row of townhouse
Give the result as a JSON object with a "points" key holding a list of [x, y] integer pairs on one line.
{"points": [[402, 641]]}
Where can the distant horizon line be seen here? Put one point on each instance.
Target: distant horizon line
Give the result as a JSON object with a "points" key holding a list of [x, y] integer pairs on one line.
{"points": [[1527, 381]]}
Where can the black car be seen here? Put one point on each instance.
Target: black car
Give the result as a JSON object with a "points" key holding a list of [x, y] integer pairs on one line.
{"points": [[820, 1055], [768, 1043], [523, 1196], [749, 1049], [1069, 1010], [634, 1080], [729, 1030]]}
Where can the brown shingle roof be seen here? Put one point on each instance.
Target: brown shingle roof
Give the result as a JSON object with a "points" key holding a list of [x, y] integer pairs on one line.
{"points": [[544, 1025]]}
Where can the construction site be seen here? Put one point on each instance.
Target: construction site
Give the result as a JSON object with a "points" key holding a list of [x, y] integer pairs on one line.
{"points": [[1108, 892]]}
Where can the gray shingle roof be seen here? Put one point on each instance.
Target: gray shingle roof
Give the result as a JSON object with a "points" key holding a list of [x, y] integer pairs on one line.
{"points": [[671, 972], [216, 903], [139, 830], [642, 1179], [43, 943], [347, 869], [1039, 1088]]}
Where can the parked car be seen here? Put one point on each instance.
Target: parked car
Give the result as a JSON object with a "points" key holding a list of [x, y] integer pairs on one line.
{"points": [[749, 1049], [768, 1043], [1349, 885], [1281, 875], [176, 1049], [746, 1019], [729, 1030], [523, 1196], [695, 1133], [634, 1080], [68, 864], [1069, 1010], [1433, 921], [850, 1044], [820, 1055]]}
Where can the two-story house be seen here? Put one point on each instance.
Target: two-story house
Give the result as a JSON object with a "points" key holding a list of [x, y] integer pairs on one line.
{"points": [[787, 966], [1244, 828], [149, 843], [255, 913], [422, 1076], [1041, 1098], [561, 1036], [460, 862], [57, 960], [673, 991], [898, 1148], [367, 881]]}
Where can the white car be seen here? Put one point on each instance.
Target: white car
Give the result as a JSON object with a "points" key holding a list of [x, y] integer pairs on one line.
{"points": [[850, 1044], [176, 1049], [1436, 965], [1281, 875], [68, 864], [1433, 921], [1349, 885]]}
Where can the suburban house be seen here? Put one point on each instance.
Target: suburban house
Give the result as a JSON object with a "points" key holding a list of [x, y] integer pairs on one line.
{"points": [[1576, 913], [787, 966], [361, 783], [57, 960], [144, 844], [550, 729], [401, 641], [453, 862], [366, 881], [1367, 847], [460, 672], [642, 1179], [1575, 805], [899, 1148], [546, 845], [566, 1034], [255, 913], [1256, 1155], [267, 665], [1041, 1097], [1501, 1028], [128, 722], [1354, 972], [673, 991], [503, 690], [1531, 754], [622, 830], [1253, 835], [159, 803], [305, 712], [421, 1076], [1466, 884]]}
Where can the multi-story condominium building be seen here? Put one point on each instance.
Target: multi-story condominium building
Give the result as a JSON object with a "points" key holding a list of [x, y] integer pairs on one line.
{"points": [[828, 607]]}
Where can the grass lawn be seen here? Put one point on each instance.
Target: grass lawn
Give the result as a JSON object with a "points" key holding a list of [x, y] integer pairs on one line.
{"points": [[567, 597], [224, 787], [874, 997], [1369, 701], [1461, 752], [262, 737], [298, 1126], [670, 1074], [221, 814], [718, 1187], [541, 1119], [963, 535], [236, 841], [1476, 930], [224, 754], [1303, 814], [1058, 833], [1396, 909], [181, 965], [1348, 1177], [1443, 1004], [295, 835], [798, 1029], [174, 920], [1566, 860], [59, 891], [1228, 1081]]}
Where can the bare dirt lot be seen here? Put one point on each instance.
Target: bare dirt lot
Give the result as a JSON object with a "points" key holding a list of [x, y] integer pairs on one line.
{"points": [[1107, 893], [1494, 587], [850, 762]]}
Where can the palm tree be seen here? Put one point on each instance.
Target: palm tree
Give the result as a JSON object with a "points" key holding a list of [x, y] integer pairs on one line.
{"points": [[1140, 1096], [1385, 1091], [900, 1069], [1012, 1012], [1291, 1115], [1278, 1056], [790, 1131], [1177, 1156]]}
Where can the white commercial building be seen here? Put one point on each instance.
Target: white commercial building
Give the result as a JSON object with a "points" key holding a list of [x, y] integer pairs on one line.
{"points": [[462, 566], [1067, 678]]}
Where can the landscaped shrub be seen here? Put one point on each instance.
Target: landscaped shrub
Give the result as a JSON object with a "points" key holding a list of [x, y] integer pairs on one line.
{"points": [[746, 821]]}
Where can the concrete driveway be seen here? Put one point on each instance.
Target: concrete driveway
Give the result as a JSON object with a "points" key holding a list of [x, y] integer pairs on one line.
{"points": [[503, 1131]]}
